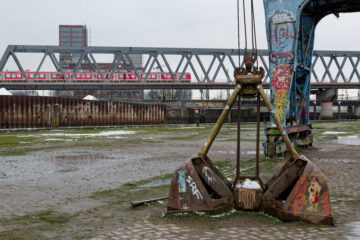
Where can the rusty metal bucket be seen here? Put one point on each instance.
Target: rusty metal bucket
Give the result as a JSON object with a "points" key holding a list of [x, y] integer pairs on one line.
{"points": [[299, 192], [198, 186]]}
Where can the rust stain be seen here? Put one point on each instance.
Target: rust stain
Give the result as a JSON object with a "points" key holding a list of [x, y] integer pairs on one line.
{"points": [[29, 111]]}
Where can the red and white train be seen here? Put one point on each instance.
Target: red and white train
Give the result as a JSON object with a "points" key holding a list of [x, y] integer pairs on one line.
{"points": [[93, 77]]}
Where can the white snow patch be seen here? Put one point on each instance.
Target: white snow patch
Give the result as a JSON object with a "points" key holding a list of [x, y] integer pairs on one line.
{"points": [[223, 214], [249, 184], [118, 137], [333, 132], [100, 134], [53, 139], [5, 92], [90, 97]]}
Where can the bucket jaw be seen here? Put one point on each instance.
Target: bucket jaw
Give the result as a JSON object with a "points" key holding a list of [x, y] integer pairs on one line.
{"points": [[299, 192], [198, 186]]}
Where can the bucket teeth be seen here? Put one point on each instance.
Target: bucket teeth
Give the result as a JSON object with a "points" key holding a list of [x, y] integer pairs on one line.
{"points": [[299, 192], [199, 186]]}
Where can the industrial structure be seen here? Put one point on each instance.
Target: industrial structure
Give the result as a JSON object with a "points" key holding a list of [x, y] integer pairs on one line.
{"points": [[290, 29]]}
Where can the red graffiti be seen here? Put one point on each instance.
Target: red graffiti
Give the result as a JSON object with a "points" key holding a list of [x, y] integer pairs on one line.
{"points": [[299, 200], [275, 56], [281, 77], [325, 204]]}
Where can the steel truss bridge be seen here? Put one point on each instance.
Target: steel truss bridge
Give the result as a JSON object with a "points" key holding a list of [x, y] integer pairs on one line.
{"points": [[210, 68]]}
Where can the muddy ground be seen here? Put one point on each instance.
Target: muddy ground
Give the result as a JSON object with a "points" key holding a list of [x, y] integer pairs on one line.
{"points": [[78, 183]]}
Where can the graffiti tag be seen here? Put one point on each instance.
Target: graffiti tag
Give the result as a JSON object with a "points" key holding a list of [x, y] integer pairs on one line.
{"points": [[299, 200], [282, 29], [195, 191], [208, 174], [325, 204]]}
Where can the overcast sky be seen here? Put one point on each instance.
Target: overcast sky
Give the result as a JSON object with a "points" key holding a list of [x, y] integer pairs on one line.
{"points": [[152, 23]]}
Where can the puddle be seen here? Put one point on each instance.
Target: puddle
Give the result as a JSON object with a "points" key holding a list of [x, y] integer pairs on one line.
{"points": [[118, 137], [157, 183], [338, 160], [53, 139], [224, 152], [249, 152], [353, 140], [100, 134], [355, 230], [88, 157], [79, 135], [190, 127], [252, 152], [243, 128]]}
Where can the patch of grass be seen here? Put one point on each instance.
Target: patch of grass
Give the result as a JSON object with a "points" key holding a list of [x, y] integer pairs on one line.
{"points": [[33, 225], [242, 140], [340, 196], [265, 164], [46, 216], [23, 151], [355, 201], [132, 191], [9, 141], [184, 138], [171, 129], [21, 234]]}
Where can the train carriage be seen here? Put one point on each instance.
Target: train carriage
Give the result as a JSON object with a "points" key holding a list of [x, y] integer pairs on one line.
{"points": [[94, 77]]}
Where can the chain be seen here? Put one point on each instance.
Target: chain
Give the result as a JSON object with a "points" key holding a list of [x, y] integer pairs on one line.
{"points": [[254, 51], [238, 28]]}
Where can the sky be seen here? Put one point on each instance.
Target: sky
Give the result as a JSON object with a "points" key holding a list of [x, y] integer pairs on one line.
{"points": [[155, 23]]}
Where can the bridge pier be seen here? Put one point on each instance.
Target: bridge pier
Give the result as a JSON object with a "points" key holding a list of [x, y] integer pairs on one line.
{"points": [[326, 99], [357, 112]]}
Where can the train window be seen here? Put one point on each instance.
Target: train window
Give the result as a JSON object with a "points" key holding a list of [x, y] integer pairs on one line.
{"points": [[42, 75], [121, 75], [133, 75], [31, 75], [127, 75], [153, 75], [88, 75], [8, 75], [18, 75]]}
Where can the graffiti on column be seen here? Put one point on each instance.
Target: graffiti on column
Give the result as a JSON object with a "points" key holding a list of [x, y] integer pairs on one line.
{"points": [[282, 29], [282, 35]]}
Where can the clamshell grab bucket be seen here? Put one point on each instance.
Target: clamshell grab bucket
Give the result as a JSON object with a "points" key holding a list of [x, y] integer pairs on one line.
{"points": [[299, 192], [198, 186]]}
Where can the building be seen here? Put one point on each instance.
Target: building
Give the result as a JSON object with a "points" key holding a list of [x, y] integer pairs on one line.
{"points": [[72, 36]]}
